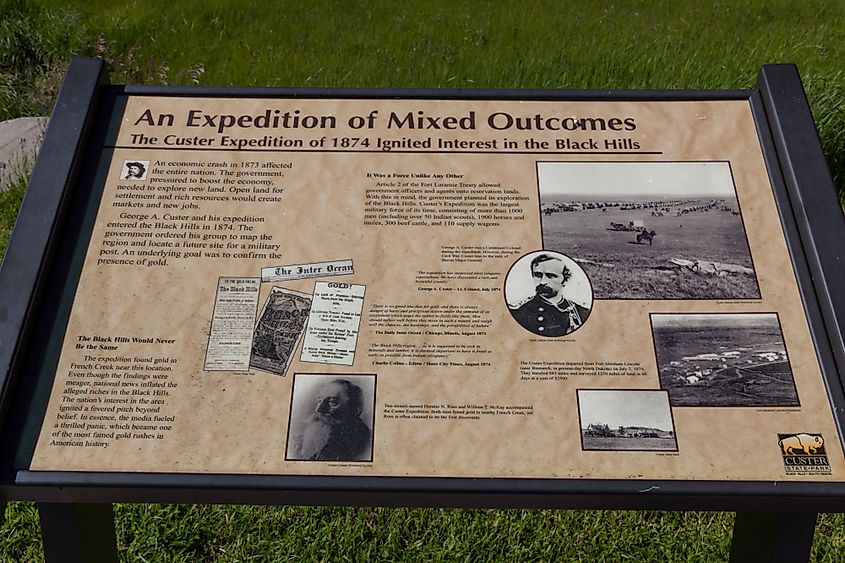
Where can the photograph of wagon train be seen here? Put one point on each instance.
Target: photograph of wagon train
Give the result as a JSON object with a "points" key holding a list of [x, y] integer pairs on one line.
{"points": [[723, 360], [649, 230], [632, 420]]}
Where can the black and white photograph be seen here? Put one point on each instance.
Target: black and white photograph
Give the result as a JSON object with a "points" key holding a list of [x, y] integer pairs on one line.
{"points": [[135, 169], [279, 330], [331, 417], [649, 230], [548, 294], [632, 420], [723, 360]]}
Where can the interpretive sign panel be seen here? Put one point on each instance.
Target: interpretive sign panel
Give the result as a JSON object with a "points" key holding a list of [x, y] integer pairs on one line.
{"points": [[449, 288]]}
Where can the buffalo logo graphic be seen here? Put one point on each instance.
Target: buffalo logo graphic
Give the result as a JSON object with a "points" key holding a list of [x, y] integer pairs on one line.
{"points": [[803, 454], [801, 444]]}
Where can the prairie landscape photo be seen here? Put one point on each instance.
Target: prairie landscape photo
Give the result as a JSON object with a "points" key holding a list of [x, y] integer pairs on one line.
{"points": [[633, 419], [723, 360], [649, 230]]}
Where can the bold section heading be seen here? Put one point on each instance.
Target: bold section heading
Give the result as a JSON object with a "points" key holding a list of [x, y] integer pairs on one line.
{"points": [[419, 120]]}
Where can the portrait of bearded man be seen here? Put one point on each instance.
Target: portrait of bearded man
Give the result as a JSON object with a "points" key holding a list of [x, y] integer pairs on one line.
{"points": [[333, 429]]}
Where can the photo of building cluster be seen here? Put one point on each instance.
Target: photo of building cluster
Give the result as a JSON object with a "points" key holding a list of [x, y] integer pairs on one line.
{"points": [[631, 419], [605, 431], [704, 366]]}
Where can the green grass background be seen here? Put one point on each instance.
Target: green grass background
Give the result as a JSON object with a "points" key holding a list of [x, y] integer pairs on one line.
{"points": [[455, 44]]}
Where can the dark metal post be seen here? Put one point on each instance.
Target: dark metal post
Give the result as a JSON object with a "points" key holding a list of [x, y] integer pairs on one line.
{"points": [[773, 537], [78, 533], [812, 193], [35, 233]]}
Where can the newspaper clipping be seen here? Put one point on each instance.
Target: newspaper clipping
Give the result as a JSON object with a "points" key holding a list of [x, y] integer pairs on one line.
{"points": [[230, 337]]}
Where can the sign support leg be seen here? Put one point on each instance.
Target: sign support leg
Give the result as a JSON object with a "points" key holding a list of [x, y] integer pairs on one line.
{"points": [[773, 537], [78, 533]]}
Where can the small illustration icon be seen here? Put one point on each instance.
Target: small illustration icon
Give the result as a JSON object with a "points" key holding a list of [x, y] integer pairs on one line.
{"points": [[134, 169], [804, 454], [801, 444]]}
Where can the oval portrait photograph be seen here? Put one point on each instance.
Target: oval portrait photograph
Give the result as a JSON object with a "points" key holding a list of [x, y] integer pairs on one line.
{"points": [[548, 293]]}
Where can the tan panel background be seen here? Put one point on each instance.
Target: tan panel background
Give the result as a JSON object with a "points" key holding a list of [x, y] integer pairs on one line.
{"points": [[229, 422]]}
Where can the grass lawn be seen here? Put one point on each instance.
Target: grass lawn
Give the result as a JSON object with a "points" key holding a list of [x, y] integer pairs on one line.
{"points": [[456, 44], [481, 44]]}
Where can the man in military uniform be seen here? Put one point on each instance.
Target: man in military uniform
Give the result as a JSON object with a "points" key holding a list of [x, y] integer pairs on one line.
{"points": [[548, 312]]}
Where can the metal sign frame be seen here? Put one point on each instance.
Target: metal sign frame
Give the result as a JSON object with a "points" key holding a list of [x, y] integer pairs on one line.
{"points": [[55, 224]]}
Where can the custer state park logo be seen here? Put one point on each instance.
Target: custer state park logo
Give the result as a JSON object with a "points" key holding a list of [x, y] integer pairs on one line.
{"points": [[804, 454]]}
